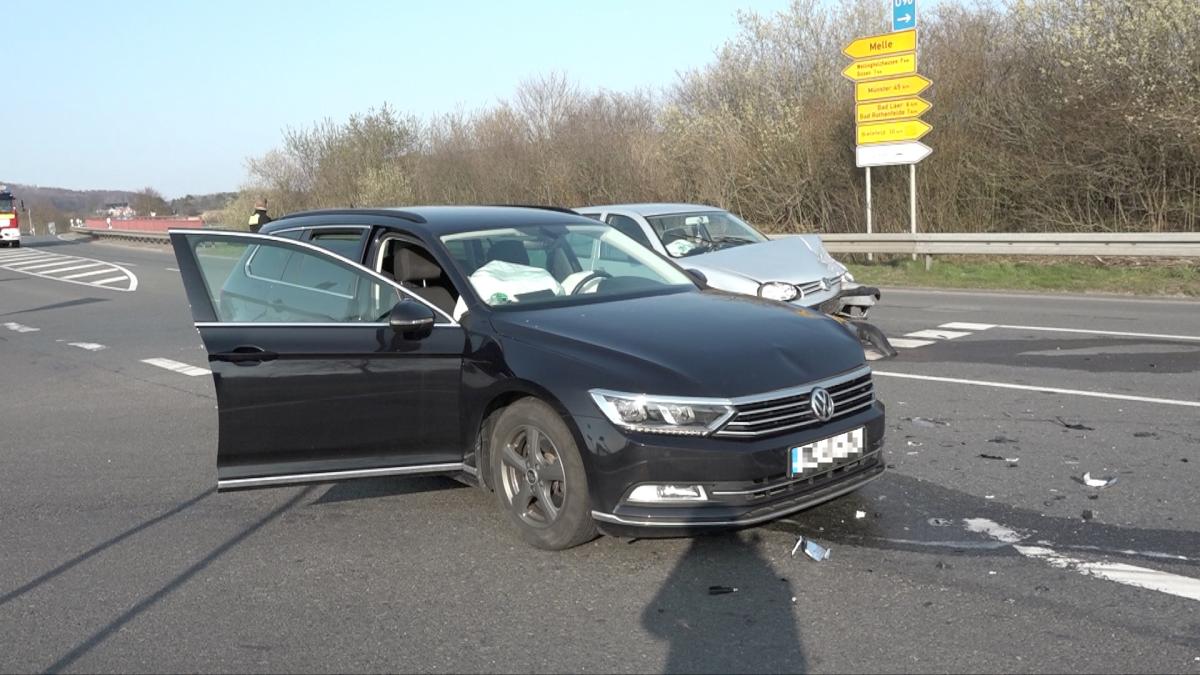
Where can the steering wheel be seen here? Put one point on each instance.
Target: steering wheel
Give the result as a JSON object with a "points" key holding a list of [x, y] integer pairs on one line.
{"points": [[594, 276]]}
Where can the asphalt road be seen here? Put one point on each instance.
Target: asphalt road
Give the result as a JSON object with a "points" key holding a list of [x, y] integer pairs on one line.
{"points": [[115, 554]]}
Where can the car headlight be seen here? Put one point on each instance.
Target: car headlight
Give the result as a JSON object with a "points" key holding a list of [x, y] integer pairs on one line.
{"points": [[847, 278], [662, 414], [778, 290]]}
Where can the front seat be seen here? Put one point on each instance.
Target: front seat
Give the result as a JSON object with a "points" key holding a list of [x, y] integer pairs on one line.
{"points": [[509, 251], [416, 271]]}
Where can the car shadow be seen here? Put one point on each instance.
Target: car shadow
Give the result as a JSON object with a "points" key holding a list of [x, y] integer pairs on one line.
{"points": [[712, 629], [385, 486]]}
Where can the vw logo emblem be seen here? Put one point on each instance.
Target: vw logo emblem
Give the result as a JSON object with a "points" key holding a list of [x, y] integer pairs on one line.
{"points": [[821, 403]]}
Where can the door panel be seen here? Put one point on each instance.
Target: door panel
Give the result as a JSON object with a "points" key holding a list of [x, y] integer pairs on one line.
{"points": [[309, 377]]}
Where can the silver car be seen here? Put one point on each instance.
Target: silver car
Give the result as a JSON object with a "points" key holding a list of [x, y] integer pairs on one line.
{"points": [[735, 257]]}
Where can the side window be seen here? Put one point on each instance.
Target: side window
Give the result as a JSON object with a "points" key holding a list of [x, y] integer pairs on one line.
{"points": [[288, 234], [630, 228], [346, 243], [276, 282]]}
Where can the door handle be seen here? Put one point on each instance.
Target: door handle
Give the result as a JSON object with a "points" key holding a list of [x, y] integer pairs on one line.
{"points": [[246, 355]]}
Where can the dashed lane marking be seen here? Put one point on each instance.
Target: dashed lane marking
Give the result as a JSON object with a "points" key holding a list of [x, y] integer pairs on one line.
{"points": [[54, 266], [1044, 390], [90, 346], [905, 343], [20, 328], [178, 367], [1086, 331], [937, 334], [962, 325]]}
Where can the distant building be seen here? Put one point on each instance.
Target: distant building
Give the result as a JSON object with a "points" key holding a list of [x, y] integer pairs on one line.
{"points": [[117, 210]]}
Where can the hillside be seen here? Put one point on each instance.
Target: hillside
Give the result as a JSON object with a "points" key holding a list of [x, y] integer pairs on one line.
{"points": [[54, 203]]}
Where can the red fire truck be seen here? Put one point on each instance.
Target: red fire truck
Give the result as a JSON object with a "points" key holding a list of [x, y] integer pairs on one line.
{"points": [[10, 222]]}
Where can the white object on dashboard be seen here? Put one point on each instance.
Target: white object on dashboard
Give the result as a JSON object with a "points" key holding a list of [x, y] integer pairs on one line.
{"points": [[500, 282]]}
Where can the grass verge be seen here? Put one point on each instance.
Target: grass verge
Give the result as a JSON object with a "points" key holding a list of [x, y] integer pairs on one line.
{"points": [[1125, 276]]}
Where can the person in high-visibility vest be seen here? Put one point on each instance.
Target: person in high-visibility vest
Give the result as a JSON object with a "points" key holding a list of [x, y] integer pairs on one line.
{"points": [[259, 217]]}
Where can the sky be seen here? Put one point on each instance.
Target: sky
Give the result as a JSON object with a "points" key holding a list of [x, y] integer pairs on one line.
{"points": [[177, 94]]}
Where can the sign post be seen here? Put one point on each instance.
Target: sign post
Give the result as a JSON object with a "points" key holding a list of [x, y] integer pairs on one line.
{"points": [[887, 107]]}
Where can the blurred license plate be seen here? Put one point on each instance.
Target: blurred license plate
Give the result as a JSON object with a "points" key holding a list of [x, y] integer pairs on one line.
{"points": [[825, 452]]}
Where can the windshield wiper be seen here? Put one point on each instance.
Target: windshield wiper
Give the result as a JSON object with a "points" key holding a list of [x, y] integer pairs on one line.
{"points": [[731, 241]]}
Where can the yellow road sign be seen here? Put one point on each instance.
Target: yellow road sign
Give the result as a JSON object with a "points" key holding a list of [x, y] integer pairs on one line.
{"points": [[898, 109], [896, 87], [884, 66], [892, 132], [882, 45]]}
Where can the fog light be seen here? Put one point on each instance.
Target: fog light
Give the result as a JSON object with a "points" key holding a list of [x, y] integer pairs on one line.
{"points": [[657, 494]]}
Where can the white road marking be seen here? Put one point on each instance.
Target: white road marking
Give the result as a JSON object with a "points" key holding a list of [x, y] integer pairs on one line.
{"points": [[20, 328], [961, 325], [1044, 390], [90, 346], [904, 343], [1115, 333], [936, 334], [177, 367], [86, 274], [1130, 575], [69, 269], [992, 529], [48, 265], [40, 264]]}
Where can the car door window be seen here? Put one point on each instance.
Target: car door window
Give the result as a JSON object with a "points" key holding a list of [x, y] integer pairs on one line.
{"points": [[279, 282], [346, 243], [630, 228]]}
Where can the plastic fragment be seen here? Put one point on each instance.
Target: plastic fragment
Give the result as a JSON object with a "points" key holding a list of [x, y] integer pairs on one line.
{"points": [[927, 422], [859, 515], [811, 549], [1098, 482], [939, 522], [721, 590], [1074, 426]]}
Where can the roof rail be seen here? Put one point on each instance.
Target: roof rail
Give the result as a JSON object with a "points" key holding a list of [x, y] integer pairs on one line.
{"points": [[405, 215], [559, 209]]}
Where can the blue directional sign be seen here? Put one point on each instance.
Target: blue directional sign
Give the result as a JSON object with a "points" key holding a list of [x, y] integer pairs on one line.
{"points": [[904, 14]]}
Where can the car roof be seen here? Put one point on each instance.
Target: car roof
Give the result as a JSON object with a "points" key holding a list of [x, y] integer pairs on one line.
{"points": [[653, 209], [436, 221]]}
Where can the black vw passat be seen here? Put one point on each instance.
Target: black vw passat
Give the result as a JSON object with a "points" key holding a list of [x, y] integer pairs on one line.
{"points": [[586, 380]]}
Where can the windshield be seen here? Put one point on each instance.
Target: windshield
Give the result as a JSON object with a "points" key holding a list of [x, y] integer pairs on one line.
{"points": [[560, 265], [685, 234], [6, 204]]}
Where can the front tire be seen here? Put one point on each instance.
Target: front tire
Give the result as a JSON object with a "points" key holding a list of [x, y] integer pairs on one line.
{"points": [[539, 477]]}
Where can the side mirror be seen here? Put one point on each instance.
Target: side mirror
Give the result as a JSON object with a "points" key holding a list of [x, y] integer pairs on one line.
{"points": [[698, 277], [411, 318]]}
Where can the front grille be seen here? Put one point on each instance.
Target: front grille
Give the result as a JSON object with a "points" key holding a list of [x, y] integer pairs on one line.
{"points": [[788, 410]]}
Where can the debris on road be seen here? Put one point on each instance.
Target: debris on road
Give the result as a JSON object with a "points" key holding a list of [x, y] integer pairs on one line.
{"points": [[1002, 439], [927, 422], [939, 522], [1074, 426], [1087, 514], [1098, 482], [811, 549], [721, 590], [915, 444], [859, 515], [1145, 434]]}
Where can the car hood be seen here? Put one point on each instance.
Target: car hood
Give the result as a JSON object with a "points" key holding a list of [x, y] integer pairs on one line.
{"points": [[789, 259], [693, 343]]}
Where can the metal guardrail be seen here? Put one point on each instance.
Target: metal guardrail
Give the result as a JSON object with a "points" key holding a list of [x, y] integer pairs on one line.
{"points": [[1158, 244], [126, 235]]}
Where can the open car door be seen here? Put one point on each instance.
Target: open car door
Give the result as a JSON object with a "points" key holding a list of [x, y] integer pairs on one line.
{"points": [[313, 381]]}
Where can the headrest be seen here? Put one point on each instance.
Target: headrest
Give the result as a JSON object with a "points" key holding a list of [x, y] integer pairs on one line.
{"points": [[414, 265], [509, 251]]}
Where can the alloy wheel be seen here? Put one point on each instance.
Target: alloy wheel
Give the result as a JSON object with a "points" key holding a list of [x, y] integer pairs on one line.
{"points": [[532, 473]]}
